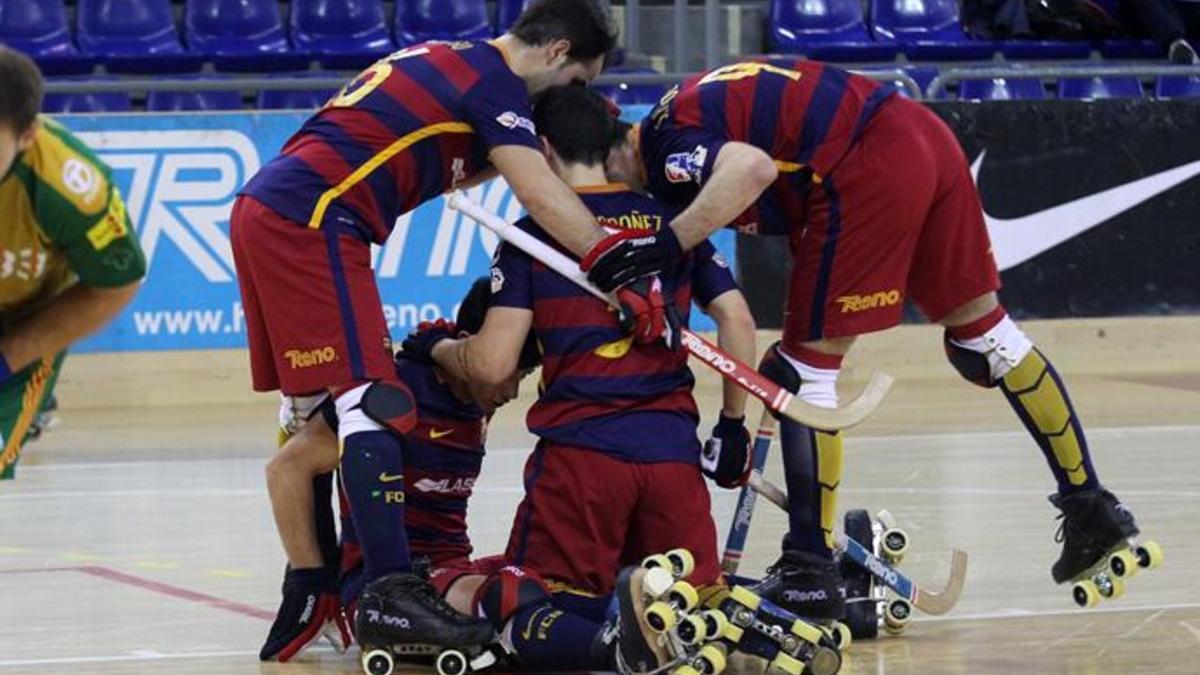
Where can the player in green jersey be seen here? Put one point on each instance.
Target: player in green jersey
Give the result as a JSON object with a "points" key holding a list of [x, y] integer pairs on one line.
{"points": [[69, 259]]}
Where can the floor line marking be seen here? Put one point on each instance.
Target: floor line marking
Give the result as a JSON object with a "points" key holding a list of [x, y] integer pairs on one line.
{"points": [[170, 590], [1019, 613], [1191, 629], [140, 655]]}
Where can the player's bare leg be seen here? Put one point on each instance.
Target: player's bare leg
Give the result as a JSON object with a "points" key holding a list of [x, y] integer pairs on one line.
{"points": [[805, 579], [987, 348]]}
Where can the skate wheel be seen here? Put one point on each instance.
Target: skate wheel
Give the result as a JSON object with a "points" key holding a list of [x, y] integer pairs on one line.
{"points": [[745, 597], [682, 562], [894, 544], [657, 560], [710, 660], [1086, 593], [683, 595], [1149, 555], [716, 625], [807, 632], [1111, 588], [898, 612], [1123, 563], [786, 663], [660, 617], [840, 634], [451, 662], [378, 662], [685, 669], [656, 582], [692, 630], [825, 661], [886, 519]]}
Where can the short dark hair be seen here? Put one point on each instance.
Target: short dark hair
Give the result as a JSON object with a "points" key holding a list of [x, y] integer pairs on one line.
{"points": [[579, 124], [20, 90], [582, 22], [474, 308]]}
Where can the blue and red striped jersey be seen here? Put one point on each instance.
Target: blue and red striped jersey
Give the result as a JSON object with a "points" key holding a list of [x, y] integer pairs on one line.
{"points": [[599, 390], [442, 460], [407, 129], [804, 114]]}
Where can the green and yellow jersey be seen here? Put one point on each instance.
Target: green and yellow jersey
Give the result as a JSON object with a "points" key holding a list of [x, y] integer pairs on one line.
{"points": [[61, 221]]}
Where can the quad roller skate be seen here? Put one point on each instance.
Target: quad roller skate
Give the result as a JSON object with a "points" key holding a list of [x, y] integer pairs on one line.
{"points": [[809, 586], [401, 617], [790, 645], [869, 603], [661, 630], [1100, 551]]}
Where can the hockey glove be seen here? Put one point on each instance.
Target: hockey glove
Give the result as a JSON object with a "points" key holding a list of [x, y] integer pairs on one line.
{"points": [[310, 609], [624, 256], [726, 456], [647, 315], [420, 342]]}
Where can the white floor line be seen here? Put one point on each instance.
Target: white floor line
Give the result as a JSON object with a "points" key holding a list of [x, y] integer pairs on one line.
{"points": [[140, 655], [1019, 613]]}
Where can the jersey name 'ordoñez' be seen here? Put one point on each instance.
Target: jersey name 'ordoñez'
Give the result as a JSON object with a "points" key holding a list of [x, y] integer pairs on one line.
{"points": [[805, 115], [407, 129]]}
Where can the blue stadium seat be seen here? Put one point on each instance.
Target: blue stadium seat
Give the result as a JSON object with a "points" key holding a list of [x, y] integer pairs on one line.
{"points": [[133, 35], [1045, 49], [1176, 86], [296, 99], [39, 28], [423, 20], [1131, 49], [341, 33], [89, 102], [828, 30], [507, 13], [624, 93], [926, 29], [1001, 89], [239, 34], [175, 101], [1087, 88]]}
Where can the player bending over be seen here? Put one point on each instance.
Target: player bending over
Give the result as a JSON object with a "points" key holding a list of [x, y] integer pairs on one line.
{"points": [[615, 474], [875, 195], [442, 456], [71, 260]]}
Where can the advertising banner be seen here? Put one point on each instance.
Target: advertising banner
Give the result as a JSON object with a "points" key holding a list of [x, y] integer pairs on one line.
{"points": [[180, 173]]}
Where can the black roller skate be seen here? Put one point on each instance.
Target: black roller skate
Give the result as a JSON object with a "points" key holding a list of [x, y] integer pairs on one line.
{"points": [[1099, 551], [402, 615], [789, 644], [809, 586], [869, 603], [659, 628]]}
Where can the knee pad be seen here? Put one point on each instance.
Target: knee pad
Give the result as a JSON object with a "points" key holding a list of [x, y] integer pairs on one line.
{"points": [[386, 404], [812, 377], [508, 591], [775, 367], [295, 411], [985, 359]]}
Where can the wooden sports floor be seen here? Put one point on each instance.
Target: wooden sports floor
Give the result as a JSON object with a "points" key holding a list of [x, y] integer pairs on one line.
{"points": [[140, 540]]}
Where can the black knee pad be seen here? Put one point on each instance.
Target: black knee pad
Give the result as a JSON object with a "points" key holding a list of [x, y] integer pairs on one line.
{"points": [[777, 369], [391, 405], [972, 365], [507, 592]]}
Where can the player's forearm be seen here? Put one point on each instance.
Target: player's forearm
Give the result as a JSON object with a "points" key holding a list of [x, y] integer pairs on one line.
{"points": [[79, 311], [561, 213], [739, 176], [471, 360], [736, 336]]}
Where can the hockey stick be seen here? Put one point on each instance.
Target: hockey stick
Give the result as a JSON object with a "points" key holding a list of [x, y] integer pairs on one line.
{"points": [[928, 601], [772, 395], [739, 529]]}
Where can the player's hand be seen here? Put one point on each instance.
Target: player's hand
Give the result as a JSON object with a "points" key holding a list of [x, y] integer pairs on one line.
{"points": [[420, 341], [647, 315], [624, 256], [726, 455]]}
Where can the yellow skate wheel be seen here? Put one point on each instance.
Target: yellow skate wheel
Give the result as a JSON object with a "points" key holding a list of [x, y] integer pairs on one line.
{"points": [[691, 630], [682, 562], [710, 660], [378, 662], [657, 560], [685, 669], [1111, 587], [787, 664], [825, 661], [1123, 563], [1086, 593], [807, 632], [745, 597], [894, 544], [899, 612], [660, 617], [683, 595], [1149, 555], [716, 625], [841, 635]]}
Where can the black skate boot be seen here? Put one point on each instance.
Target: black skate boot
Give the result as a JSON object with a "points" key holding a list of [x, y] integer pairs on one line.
{"points": [[1093, 524], [309, 610], [806, 585]]}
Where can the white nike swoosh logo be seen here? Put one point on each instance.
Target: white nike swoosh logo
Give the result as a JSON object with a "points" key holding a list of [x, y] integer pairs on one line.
{"points": [[1015, 240]]}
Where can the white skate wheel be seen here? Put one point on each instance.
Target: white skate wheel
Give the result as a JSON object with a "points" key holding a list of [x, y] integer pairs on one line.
{"points": [[451, 662], [378, 662]]}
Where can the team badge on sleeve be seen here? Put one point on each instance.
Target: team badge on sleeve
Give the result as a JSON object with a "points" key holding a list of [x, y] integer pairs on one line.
{"points": [[684, 167], [497, 280], [512, 120]]}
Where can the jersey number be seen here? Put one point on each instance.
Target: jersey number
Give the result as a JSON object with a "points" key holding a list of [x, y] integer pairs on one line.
{"points": [[366, 82], [740, 71]]}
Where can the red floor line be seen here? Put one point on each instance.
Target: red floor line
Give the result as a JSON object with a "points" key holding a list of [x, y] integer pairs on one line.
{"points": [[143, 583]]}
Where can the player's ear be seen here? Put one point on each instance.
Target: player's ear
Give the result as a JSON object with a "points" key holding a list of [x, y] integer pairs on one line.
{"points": [[26, 138], [547, 149], [557, 54]]}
